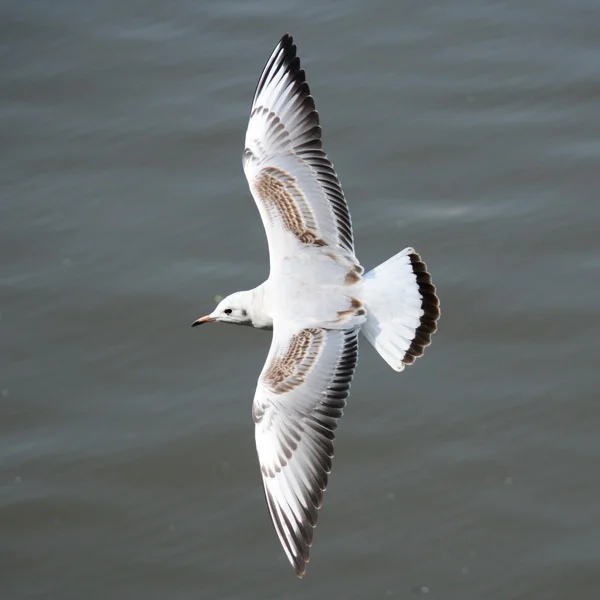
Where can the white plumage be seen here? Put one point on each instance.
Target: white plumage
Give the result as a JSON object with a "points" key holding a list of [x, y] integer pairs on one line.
{"points": [[316, 300]]}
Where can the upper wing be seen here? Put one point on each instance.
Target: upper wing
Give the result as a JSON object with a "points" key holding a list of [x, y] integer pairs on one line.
{"points": [[301, 394], [295, 187]]}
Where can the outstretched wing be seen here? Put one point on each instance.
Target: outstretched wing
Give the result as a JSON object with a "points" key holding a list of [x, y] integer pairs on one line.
{"points": [[295, 187], [301, 394]]}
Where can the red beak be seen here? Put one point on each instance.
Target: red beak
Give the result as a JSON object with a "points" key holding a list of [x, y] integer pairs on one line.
{"points": [[206, 319]]}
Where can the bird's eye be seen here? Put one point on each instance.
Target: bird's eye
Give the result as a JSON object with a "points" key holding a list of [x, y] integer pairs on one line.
{"points": [[227, 311]]}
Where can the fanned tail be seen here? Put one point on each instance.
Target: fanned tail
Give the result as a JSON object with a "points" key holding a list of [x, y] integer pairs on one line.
{"points": [[402, 308]]}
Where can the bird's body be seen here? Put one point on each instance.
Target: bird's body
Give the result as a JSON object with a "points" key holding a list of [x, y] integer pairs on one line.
{"points": [[331, 295], [316, 299]]}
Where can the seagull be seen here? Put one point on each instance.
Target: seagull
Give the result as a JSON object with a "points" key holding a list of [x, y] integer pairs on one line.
{"points": [[316, 300]]}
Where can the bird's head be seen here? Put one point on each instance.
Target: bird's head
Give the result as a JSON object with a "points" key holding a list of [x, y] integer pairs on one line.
{"points": [[233, 309]]}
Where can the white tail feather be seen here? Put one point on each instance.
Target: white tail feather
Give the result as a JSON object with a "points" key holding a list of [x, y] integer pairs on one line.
{"points": [[402, 308]]}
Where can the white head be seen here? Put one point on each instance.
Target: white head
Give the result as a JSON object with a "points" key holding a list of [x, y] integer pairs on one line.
{"points": [[234, 309]]}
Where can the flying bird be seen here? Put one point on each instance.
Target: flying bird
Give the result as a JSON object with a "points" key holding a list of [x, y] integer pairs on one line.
{"points": [[316, 300]]}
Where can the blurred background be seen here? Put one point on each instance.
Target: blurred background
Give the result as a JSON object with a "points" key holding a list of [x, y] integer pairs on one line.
{"points": [[468, 129]]}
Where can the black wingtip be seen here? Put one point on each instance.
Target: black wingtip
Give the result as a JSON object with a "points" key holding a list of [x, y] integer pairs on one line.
{"points": [[290, 54], [289, 59], [287, 39], [300, 571], [289, 48]]}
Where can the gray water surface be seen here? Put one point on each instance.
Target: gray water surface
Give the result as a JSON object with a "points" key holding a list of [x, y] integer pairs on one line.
{"points": [[469, 130]]}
